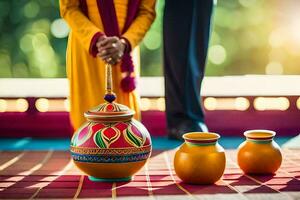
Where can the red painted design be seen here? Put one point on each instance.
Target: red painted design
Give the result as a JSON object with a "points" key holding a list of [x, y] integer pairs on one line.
{"points": [[120, 143], [113, 135], [89, 143], [109, 107], [147, 142], [121, 126], [83, 133], [97, 127], [136, 132], [109, 133]]}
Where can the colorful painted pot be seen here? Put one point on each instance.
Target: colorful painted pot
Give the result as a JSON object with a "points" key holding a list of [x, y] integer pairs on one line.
{"points": [[111, 145], [200, 159], [259, 154]]}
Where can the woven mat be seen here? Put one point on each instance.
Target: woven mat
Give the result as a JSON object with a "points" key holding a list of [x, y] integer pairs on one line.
{"points": [[51, 174]]}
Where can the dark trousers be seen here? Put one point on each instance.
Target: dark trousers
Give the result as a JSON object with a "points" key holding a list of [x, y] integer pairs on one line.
{"points": [[186, 30]]}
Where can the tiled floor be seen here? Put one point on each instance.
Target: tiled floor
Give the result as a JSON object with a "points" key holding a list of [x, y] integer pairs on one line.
{"points": [[51, 174]]}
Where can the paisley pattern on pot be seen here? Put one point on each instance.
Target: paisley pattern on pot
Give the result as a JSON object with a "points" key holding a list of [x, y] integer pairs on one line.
{"points": [[131, 138], [112, 135], [106, 136], [111, 145], [84, 133]]}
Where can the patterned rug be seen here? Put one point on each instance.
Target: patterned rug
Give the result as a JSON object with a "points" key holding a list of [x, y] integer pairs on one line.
{"points": [[52, 175]]}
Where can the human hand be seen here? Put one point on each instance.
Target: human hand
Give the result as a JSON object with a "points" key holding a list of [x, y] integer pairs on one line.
{"points": [[111, 49]]}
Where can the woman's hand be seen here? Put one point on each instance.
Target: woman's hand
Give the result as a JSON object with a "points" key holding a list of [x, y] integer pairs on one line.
{"points": [[110, 49]]}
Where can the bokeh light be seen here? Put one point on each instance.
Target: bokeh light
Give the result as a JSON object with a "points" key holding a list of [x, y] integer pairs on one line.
{"points": [[145, 104], [160, 104], [247, 35], [31, 9], [297, 103], [217, 54], [271, 103], [13, 105], [210, 103], [220, 103], [42, 104], [59, 28], [21, 105], [40, 26], [152, 40], [241, 103], [67, 104], [3, 105], [274, 68], [26, 43]]}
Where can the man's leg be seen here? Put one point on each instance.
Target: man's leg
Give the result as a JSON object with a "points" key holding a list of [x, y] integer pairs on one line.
{"points": [[186, 33], [199, 39], [176, 31]]}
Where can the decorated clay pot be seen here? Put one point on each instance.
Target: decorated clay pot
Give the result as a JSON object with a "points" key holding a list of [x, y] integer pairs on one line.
{"points": [[259, 154], [200, 159], [111, 145]]}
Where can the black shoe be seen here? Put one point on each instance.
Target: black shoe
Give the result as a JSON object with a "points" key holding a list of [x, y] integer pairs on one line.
{"points": [[185, 127]]}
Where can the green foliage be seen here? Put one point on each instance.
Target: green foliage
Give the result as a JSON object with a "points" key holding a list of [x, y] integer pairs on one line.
{"points": [[33, 40], [27, 46]]}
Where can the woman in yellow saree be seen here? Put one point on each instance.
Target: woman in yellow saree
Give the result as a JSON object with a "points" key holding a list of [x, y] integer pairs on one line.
{"points": [[103, 31]]}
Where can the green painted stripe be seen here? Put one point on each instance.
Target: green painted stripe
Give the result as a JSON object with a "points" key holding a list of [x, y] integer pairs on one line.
{"points": [[260, 141], [132, 138], [99, 140], [201, 144]]}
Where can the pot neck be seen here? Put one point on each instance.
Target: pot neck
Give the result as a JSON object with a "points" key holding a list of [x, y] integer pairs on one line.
{"points": [[201, 138], [260, 141], [259, 136], [201, 143]]}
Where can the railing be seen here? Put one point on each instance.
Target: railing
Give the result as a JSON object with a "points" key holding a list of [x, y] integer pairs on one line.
{"points": [[248, 85], [38, 107], [270, 93]]}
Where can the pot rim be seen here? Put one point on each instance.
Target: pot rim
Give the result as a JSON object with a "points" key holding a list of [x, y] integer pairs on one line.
{"points": [[259, 134], [109, 116], [201, 137]]}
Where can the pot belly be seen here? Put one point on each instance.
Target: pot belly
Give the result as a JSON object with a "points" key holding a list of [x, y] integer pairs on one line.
{"points": [[110, 170]]}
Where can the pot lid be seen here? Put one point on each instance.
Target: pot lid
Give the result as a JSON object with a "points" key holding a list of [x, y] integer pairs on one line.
{"points": [[109, 111]]}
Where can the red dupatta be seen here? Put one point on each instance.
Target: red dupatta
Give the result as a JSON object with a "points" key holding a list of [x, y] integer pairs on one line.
{"points": [[111, 28]]}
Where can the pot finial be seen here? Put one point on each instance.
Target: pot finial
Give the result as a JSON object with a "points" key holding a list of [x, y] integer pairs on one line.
{"points": [[109, 95]]}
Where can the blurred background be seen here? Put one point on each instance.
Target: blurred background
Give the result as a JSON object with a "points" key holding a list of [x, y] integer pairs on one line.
{"points": [[248, 37], [252, 74], [252, 81]]}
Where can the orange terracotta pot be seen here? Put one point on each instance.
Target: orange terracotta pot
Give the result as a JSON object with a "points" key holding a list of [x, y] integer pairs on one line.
{"points": [[259, 154], [200, 159]]}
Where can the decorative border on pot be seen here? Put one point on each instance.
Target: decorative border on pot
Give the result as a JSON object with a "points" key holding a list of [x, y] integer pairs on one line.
{"points": [[110, 151], [110, 158]]}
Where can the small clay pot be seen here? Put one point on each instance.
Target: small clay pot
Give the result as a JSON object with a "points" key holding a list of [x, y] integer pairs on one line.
{"points": [[259, 154], [200, 159]]}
